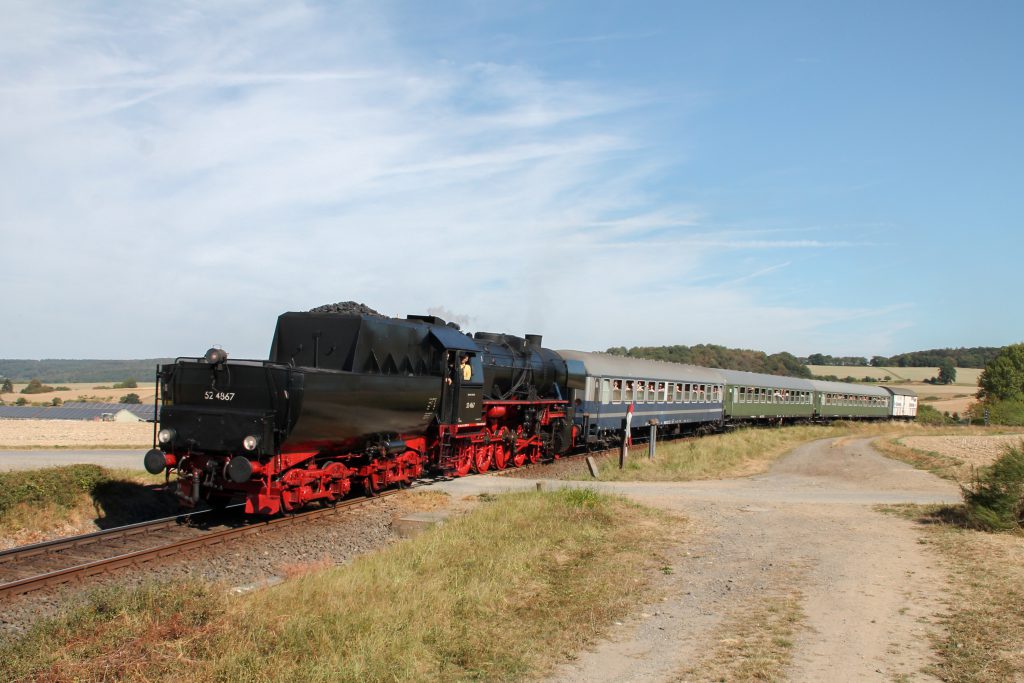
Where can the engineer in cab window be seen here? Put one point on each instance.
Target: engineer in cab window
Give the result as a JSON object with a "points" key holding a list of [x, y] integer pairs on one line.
{"points": [[467, 371]]}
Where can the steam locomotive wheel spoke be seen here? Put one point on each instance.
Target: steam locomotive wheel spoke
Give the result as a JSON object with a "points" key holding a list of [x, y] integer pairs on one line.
{"points": [[465, 462], [500, 456], [481, 458], [520, 456]]}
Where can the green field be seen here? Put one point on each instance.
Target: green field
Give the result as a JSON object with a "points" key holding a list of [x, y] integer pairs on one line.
{"points": [[964, 376]]}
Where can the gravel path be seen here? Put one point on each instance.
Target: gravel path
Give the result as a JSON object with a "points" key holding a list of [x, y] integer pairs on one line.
{"points": [[869, 589]]}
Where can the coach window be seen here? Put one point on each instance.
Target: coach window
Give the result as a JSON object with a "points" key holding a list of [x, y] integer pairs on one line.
{"points": [[718, 393], [616, 391], [662, 392], [628, 395], [606, 390], [679, 393]]}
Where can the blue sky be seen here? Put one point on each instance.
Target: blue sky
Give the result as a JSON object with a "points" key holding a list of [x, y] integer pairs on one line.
{"points": [[840, 178]]}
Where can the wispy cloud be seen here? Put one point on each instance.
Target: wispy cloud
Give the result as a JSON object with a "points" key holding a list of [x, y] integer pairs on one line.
{"points": [[194, 170]]}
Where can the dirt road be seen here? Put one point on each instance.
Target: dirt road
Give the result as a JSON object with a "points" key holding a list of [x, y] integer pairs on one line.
{"points": [[868, 590]]}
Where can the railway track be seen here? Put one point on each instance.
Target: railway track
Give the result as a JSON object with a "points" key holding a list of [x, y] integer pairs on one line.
{"points": [[75, 559]]}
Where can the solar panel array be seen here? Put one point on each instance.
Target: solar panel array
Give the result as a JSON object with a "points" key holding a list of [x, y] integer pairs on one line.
{"points": [[76, 410]]}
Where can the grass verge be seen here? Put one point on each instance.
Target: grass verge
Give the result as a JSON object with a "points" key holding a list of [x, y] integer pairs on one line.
{"points": [[498, 594], [984, 627], [736, 454], [940, 465], [35, 504]]}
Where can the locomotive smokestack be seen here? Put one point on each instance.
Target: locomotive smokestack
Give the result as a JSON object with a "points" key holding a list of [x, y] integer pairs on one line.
{"points": [[533, 340]]}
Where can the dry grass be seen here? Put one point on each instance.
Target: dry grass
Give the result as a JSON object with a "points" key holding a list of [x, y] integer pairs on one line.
{"points": [[421, 500], [31, 513], [40, 434], [499, 594], [983, 631]]}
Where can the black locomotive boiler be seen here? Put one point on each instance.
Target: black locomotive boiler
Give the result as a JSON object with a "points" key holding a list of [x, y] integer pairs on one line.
{"points": [[358, 402]]}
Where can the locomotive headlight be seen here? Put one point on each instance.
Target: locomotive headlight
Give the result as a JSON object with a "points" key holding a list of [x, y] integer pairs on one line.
{"points": [[165, 435], [250, 442]]}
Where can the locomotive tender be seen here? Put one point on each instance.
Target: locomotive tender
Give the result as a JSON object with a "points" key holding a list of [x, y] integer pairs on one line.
{"points": [[362, 402]]}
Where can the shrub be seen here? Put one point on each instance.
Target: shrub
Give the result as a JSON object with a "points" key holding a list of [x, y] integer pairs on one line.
{"points": [[1010, 412], [22, 401], [131, 398], [56, 401], [129, 383], [7, 387], [930, 416], [995, 499], [36, 387], [58, 485]]}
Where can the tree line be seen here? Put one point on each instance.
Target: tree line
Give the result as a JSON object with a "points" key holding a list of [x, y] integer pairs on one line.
{"points": [[714, 356], [82, 370], [974, 357]]}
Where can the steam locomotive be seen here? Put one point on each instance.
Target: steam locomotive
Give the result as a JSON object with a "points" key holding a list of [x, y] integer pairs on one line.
{"points": [[360, 402]]}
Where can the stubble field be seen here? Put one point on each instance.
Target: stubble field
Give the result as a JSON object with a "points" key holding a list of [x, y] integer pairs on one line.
{"points": [[83, 391], [26, 434]]}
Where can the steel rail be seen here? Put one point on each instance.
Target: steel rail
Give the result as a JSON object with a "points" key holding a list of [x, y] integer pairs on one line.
{"points": [[79, 572], [56, 545]]}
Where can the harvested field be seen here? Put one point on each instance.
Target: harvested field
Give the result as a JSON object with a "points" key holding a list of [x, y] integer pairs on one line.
{"points": [[22, 434], [83, 391], [976, 451], [964, 376]]}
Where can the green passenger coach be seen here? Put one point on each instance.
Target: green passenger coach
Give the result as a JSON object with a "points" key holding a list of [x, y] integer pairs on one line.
{"points": [[756, 397], [838, 400]]}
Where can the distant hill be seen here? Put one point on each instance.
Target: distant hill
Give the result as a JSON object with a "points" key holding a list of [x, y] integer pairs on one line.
{"points": [[79, 370], [713, 356], [975, 357]]}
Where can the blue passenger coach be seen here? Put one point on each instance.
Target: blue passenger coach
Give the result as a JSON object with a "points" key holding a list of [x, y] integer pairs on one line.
{"points": [[682, 398]]}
